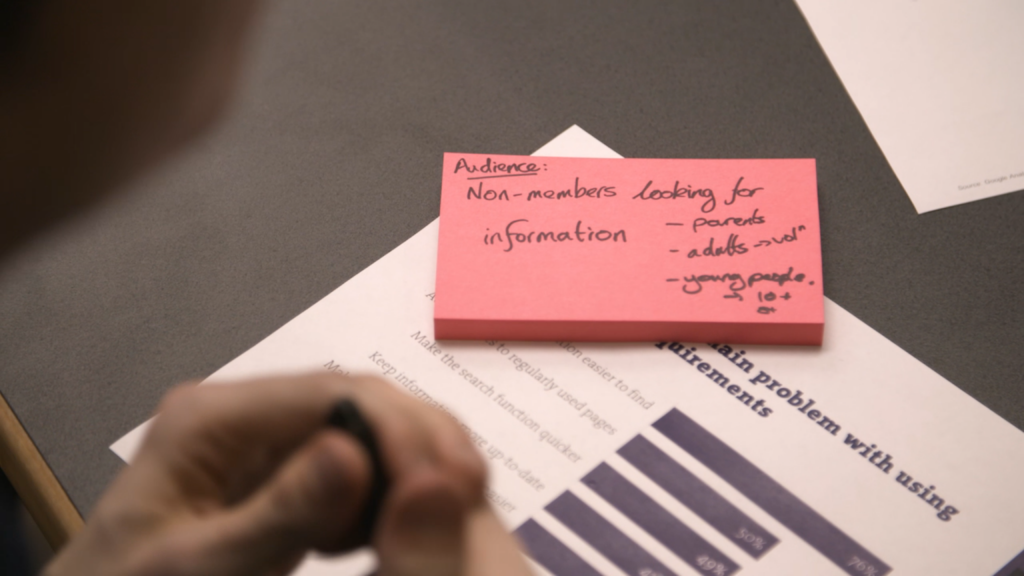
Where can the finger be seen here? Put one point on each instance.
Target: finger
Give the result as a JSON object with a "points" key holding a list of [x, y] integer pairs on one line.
{"points": [[222, 441], [490, 549], [422, 531], [456, 456], [313, 502], [399, 423], [447, 449]]}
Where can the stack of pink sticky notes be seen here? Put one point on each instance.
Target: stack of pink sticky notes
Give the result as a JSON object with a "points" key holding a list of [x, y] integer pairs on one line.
{"points": [[535, 248]]}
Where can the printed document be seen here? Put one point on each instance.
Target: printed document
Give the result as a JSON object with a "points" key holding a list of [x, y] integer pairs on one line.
{"points": [[939, 85], [683, 458]]}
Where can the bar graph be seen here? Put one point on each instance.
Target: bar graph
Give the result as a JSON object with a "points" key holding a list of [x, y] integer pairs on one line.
{"points": [[658, 522], [604, 536], [550, 553], [771, 496], [696, 495], [676, 535]]}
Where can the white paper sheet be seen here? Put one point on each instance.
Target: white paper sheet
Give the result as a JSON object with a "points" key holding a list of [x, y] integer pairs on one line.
{"points": [[547, 414], [939, 84]]}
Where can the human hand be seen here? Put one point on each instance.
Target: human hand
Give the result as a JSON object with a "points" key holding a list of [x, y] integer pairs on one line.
{"points": [[246, 479]]}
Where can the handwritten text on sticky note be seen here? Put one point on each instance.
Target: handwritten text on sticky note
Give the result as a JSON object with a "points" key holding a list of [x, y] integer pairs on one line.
{"points": [[629, 249]]}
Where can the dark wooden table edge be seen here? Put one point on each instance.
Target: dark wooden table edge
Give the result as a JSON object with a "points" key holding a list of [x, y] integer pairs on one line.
{"points": [[36, 484]]}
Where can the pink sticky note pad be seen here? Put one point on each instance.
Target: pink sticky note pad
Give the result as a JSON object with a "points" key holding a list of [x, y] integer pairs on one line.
{"points": [[586, 249]]}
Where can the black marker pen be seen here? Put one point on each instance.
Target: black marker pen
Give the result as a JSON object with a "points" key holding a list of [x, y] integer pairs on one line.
{"points": [[345, 416]]}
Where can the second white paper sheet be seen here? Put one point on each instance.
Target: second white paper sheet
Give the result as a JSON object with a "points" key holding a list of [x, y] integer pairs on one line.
{"points": [[939, 84], [677, 459]]}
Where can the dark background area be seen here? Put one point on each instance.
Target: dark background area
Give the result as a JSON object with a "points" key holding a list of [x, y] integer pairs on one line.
{"points": [[332, 157]]}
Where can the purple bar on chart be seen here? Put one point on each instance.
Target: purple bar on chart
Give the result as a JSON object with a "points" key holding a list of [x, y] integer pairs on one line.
{"points": [[702, 499], [1014, 568], [550, 553], [605, 538], [658, 522], [771, 496]]}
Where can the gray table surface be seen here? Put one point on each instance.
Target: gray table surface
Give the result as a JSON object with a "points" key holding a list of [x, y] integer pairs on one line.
{"points": [[332, 157]]}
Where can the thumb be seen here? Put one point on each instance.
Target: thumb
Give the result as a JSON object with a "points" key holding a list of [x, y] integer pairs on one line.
{"points": [[314, 501], [422, 532]]}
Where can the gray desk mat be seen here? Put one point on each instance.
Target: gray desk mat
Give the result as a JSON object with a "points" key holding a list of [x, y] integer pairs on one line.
{"points": [[332, 155]]}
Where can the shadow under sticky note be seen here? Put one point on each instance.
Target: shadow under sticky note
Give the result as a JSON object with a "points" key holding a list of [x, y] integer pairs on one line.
{"points": [[585, 249]]}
